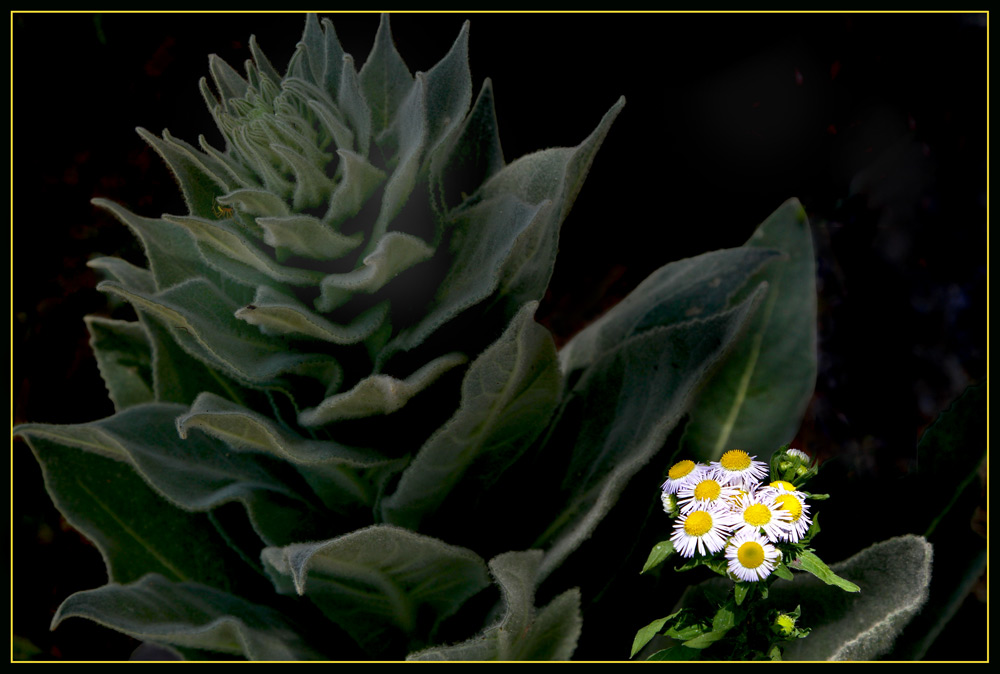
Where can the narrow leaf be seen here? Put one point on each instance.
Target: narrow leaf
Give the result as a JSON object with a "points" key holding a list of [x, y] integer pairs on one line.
{"points": [[660, 553]]}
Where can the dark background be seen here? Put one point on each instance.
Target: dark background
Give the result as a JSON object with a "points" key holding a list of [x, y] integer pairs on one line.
{"points": [[876, 122]]}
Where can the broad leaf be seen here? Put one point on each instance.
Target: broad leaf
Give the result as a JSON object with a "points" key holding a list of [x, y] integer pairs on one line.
{"points": [[197, 473], [523, 632], [893, 577], [135, 529], [508, 394], [620, 412], [756, 399], [389, 588], [190, 615]]}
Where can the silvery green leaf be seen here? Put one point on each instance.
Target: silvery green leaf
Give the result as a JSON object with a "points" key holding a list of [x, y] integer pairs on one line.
{"points": [[312, 186], [190, 615], [434, 107], [196, 473], [203, 322], [471, 158], [124, 358], [351, 102], [125, 273], [389, 588], [256, 202], [620, 412], [201, 177], [555, 175], [135, 529], [278, 314], [378, 394], [360, 181], [893, 576], [172, 252], [247, 430], [523, 632], [679, 291], [385, 78], [483, 239], [306, 236], [341, 476], [225, 248], [395, 253], [177, 376], [756, 399], [229, 82], [508, 395]]}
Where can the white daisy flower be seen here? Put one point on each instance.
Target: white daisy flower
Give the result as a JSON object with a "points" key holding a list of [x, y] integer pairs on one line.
{"points": [[707, 491], [681, 473], [738, 468], [703, 531], [795, 504], [751, 557], [758, 512]]}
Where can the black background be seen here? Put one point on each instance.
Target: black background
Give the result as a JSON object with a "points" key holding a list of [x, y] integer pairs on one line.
{"points": [[876, 122]]}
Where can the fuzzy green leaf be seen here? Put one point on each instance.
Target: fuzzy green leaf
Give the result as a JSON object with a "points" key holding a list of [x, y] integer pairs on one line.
{"points": [[190, 615], [196, 473], [508, 394], [202, 321], [171, 250], [621, 411], [124, 358], [378, 394], [276, 314], [226, 249], [385, 78], [483, 239], [388, 587], [524, 632], [200, 176], [135, 529], [680, 291], [395, 253], [893, 576], [475, 155], [756, 399]]}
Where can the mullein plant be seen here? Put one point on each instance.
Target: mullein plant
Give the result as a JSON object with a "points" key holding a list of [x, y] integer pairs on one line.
{"points": [[339, 431], [749, 522]]}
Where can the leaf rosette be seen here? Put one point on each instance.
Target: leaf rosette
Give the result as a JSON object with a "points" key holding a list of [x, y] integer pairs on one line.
{"points": [[356, 223]]}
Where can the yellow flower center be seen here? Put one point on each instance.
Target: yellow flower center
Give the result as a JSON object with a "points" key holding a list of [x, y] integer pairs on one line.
{"points": [[680, 469], [698, 523], [791, 504], [707, 490], [751, 554], [781, 484], [735, 459], [757, 515]]}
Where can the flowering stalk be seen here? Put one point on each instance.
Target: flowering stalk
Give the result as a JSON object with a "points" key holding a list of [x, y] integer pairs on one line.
{"points": [[749, 522]]}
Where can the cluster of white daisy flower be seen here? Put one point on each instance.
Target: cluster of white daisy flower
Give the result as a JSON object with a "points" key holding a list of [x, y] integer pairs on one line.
{"points": [[725, 505]]}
